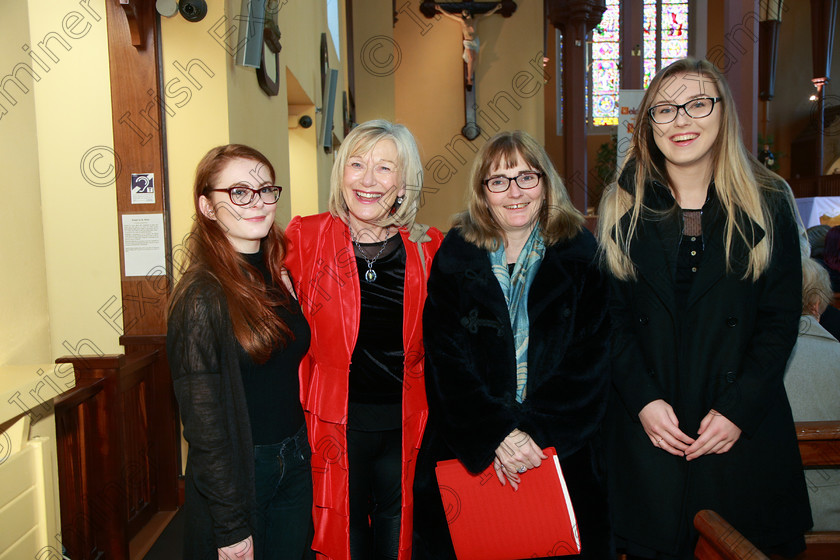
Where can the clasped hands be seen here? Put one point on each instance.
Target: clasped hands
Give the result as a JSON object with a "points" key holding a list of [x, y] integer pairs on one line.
{"points": [[717, 434], [516, 454]]}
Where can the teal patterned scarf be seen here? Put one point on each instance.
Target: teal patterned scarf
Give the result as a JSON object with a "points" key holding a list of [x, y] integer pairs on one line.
{"points": [[516, 286]]}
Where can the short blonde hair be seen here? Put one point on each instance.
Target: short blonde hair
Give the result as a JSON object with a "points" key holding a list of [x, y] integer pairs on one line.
{"points": [[361, 140], [558, 219], [816, 285]]}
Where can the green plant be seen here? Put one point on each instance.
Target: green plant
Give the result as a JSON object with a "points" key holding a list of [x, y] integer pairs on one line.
{"points": [[605, 169]]}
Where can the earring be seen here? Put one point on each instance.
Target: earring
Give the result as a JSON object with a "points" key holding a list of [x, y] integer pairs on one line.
{"points": [[396, 206]]}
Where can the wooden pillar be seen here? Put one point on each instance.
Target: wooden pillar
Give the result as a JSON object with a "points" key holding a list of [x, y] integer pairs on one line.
{"points": [[740, 21], [575, 18], [823, 14], [139, 111], [632, 43], [138, 124]]}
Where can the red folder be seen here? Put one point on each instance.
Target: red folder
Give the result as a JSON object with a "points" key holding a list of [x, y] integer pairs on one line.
{"points": [[488, 521]]}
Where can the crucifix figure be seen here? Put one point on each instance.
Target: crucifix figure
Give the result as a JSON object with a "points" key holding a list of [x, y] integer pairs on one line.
{"points": [[468, 22], [467, 15]]}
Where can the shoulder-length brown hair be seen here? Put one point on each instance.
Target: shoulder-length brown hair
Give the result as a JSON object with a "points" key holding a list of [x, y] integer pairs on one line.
{"points": [[740, 181], [249, 301], [558, 219]]}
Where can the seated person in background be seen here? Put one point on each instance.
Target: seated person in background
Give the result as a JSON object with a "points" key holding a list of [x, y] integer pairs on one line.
{"points": [[831, 257], [812, 381], [816, 239], [830, 319]]}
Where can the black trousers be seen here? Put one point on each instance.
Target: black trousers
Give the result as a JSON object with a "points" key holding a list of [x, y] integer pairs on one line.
{"points": [[283, 479], [375, 469]]}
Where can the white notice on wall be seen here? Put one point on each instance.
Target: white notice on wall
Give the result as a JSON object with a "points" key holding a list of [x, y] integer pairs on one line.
{"points": [[628, 102], [143, 244]]}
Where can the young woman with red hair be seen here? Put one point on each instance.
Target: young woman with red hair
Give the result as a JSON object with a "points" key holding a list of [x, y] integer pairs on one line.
{"points": [[235, 340]]}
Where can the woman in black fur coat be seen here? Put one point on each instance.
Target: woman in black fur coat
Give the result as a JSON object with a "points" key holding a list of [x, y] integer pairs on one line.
{"points": [[515, 334]]}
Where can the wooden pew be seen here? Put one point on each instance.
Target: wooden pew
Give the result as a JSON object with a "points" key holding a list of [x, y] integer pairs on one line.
{"points": [[720, 541], [819, 445]]}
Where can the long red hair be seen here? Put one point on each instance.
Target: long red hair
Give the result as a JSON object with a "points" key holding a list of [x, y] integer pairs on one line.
{"points": [[250, 302]]}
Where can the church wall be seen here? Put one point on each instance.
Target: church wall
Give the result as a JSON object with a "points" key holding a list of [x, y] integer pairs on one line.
{"points": [[24, 329], [230, 107], [429, 93], [76, 171]]}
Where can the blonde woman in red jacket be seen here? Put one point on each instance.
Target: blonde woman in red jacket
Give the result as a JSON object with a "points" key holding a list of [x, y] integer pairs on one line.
{"points": [[360, 273]]}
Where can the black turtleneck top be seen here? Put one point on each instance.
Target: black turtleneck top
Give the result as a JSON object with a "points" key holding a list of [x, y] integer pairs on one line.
{"points": [[272, 389]]}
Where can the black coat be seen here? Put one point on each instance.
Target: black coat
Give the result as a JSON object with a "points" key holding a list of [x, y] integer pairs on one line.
{"points": [[726, 350], [470, 379], [220, 504]]}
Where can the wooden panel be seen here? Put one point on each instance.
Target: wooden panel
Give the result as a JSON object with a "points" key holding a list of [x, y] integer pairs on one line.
{"points": [[80, 470], [117, 429], [137, 437], [819, 445], [138, 127], [165, 422]]}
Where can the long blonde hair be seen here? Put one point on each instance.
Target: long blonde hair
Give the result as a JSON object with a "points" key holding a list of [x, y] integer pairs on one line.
{"points": [[740, 181]]}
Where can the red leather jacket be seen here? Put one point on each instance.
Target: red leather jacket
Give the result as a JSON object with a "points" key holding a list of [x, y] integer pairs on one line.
{"points": [[323, 267]]}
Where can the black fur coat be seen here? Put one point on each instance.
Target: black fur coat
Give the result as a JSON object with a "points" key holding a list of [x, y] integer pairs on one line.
{"points": [[470, 379]]}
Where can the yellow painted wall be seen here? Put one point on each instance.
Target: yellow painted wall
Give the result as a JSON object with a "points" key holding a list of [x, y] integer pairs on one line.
{"points": [[75, 155], [429, 95], [377, 56], [230, 107], [24, 328]]}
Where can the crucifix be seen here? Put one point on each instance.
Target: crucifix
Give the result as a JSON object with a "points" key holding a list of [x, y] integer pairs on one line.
{"points": [[467, 15]]}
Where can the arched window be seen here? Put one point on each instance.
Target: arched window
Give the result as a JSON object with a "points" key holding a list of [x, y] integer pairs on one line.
{"points": [[665, 30]]}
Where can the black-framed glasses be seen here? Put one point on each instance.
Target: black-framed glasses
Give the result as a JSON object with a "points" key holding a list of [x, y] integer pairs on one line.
{"points": [[243, 196], [500, 183], [697, 108]]}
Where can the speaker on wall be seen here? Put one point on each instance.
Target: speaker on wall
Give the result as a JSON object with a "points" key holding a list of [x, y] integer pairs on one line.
{"points": [[328, 111], [251, 22]]}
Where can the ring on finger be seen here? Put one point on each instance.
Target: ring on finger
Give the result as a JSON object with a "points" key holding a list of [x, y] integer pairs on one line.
{"points": [[659, 441], [521, 469]]}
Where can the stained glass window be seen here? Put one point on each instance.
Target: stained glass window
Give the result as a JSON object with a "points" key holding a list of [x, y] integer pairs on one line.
{"points": [[668, 41], [665, 39], [605, 67]]}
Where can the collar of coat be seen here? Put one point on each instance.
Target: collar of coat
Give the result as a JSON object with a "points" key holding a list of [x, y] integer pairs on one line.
{"points": [[656, 240], [462, 255], [459, 257], [659, 209]]}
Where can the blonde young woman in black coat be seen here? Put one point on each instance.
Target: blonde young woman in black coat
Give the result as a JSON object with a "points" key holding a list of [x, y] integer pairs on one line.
{"points": [[701, 241], [501, 384]]}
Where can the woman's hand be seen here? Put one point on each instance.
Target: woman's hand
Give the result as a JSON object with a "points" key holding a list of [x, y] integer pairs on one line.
{"points": [[243, 550], [516, 454], [717, 434], [662, 427]]}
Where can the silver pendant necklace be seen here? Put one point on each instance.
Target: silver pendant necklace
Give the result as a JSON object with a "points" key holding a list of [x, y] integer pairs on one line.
{"points": [[370, 275]]}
